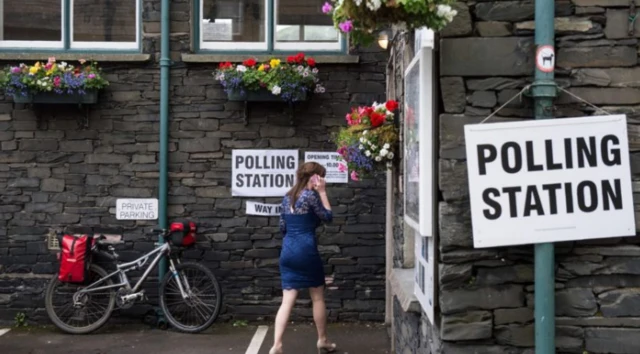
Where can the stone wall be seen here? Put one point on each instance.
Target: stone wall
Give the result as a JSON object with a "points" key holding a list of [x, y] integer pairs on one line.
{"points": [[54, 175], [486, 295]]}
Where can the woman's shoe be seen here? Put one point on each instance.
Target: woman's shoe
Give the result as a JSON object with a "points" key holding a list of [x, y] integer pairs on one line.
{"points": [[275, 351], [324, 347]]}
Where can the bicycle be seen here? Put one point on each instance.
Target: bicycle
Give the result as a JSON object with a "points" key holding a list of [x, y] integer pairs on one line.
{"points": [[185, 299]]}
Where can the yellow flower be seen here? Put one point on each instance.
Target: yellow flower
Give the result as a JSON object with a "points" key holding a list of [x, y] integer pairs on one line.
{"points": [[274, 63], [261, 67], [33, 70], [37, 65]]}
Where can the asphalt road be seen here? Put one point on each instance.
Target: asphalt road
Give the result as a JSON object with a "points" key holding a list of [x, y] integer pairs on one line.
{"points": [[299, 339]]}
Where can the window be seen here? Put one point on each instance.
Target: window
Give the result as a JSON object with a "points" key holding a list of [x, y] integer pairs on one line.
{"points": [[70, 24], [266, 25], [424, 281], [419, 166]]}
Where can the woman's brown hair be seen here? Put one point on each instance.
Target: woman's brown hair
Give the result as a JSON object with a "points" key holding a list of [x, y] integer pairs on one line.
{"points": [[303, 175]]}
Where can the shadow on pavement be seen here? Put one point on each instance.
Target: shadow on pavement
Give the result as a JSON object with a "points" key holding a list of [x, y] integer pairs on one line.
{"points": [[223, 338]]}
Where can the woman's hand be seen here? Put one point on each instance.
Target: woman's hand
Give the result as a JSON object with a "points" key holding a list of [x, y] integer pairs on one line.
{"points": [[320, 185]]}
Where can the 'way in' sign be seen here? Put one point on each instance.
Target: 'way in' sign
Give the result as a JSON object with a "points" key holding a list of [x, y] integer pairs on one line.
{"points": [[579, 153]]}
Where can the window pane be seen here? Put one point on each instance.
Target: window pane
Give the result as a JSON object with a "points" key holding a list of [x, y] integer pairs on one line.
{"points": [[233, 20], [104, 20], [25, 20], [303, 21]]}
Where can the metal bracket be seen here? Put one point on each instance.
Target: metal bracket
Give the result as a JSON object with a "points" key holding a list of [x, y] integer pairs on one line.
{"points": [[632, 17], [82, 119], [543, 89], [247, 113]]}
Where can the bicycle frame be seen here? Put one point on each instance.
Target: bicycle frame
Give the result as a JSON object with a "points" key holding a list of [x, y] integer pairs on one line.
{"points": [[123, 268]]}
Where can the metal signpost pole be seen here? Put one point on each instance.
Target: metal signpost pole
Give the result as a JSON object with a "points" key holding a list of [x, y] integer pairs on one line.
{"points": [[544, 91]]}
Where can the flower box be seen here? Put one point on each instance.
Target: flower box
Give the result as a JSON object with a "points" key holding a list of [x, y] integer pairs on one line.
{"points": [[262, 95], [90, 97]]}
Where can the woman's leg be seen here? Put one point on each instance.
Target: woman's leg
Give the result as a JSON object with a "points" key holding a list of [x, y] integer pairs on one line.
{"points": [[288, 301], [319, 312]]}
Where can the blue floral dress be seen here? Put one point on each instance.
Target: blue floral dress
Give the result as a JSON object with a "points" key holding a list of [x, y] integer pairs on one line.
{"points": [[300, 263]]}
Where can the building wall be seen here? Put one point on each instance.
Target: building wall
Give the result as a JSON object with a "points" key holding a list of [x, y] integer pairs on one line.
{"points": [[54, 175], [486, 295]]}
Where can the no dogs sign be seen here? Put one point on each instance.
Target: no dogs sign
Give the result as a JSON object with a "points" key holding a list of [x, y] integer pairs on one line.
{"points": [[549, 180]]}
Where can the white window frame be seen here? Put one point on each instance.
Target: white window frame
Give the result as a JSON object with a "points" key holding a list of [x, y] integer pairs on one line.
{"points": [[104, 45], [231, 45], [427, 262], [36, 44], [424, 224], [302, 45], [423, 228]]}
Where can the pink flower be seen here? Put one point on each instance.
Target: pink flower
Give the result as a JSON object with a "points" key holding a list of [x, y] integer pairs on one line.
{"points": [[346, 26], [342, 167], [48, 66], [342, 151], [52, 60], [82, 61], [15, 70], [326, 8], [92, 76], [56, 81], [354, 176]]}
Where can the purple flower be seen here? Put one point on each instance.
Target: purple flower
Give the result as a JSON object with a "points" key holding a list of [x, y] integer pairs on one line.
{"points": [[92, 76], [15, 70], [327, 8], [346, 26]]}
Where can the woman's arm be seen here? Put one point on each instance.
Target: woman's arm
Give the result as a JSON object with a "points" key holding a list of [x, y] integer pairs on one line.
{"points": [[321, 206]]}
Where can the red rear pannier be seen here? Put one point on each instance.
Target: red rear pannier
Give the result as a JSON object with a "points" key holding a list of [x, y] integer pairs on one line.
{"points": [[183, 233], [74, 259]]}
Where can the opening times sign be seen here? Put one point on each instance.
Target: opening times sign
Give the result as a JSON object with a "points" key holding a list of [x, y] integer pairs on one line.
{"points": [[337, 171], [549, 180], [263, 173]]}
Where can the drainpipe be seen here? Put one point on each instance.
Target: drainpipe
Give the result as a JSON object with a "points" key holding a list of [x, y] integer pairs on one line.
{"points": [[543, 91], [165, 63]]}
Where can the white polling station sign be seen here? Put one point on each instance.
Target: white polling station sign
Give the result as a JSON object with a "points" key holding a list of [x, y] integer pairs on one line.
{"points": [[137, 209], [263, 173], [549, 180], [337, 171], [262, 209]]}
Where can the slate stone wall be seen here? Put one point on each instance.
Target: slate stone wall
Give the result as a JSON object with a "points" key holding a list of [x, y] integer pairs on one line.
{"points": [[54, 175], [486, 295]]}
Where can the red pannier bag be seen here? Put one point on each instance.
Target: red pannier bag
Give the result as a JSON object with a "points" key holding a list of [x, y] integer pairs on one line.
{"points": [[75, 258], [183, 233]]}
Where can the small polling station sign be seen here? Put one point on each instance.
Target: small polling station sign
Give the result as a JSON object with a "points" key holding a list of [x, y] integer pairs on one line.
{"points": [[549, 180], [262, 209], [337, 171], [137, 209], [263, 173]]}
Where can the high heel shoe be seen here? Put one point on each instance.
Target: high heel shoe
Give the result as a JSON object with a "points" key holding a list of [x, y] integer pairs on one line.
{"points": [[324, 347], [275, 351]]}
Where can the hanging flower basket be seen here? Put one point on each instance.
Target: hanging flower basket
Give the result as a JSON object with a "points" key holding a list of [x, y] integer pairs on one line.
{"points": [[290, 81], [370, 140], [362, 18], [53, 83]]}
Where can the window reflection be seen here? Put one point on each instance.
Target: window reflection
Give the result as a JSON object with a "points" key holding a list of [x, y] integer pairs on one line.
{"points": [[25, 20], [233, 20]]}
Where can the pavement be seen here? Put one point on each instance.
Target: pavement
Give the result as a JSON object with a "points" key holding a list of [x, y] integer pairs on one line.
{"points": [[219, 339]]}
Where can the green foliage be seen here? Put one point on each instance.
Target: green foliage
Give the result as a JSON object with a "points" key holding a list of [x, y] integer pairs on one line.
{"points": [[20, 320]]}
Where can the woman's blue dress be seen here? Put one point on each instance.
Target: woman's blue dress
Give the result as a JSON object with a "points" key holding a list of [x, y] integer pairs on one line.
{"points": [[300, 263]]}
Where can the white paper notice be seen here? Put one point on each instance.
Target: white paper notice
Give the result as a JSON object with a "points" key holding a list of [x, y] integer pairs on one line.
{"points": [[137, 209], [332, 161], [263, 173], [256, 208]]}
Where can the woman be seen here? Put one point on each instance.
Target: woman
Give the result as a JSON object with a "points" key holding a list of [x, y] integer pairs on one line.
{"points": [[303, 209]]}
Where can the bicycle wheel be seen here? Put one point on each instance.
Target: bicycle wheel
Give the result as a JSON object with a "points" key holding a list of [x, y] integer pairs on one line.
{"points": [[91, 313], [202, 306]]}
